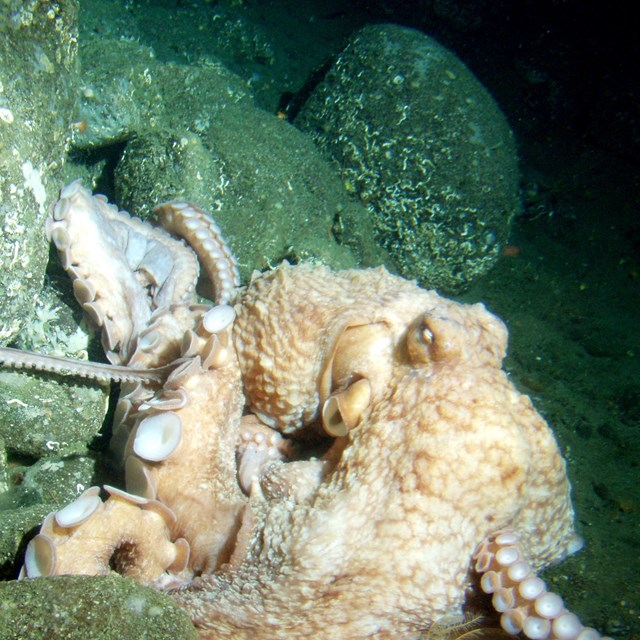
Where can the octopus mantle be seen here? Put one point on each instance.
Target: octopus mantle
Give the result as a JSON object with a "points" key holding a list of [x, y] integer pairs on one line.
{"points": [[322, 459]]}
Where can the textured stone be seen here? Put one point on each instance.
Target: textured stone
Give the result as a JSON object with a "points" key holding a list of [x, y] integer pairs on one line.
{"points": [[40, 416], [193, 132], [268, 210], [118, 91], [15, 523], [88, 608], [425, 147], [4, 483], [38, 42]]}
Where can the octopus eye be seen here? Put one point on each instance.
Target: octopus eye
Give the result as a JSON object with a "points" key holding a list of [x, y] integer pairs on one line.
{"points": [[421, 340], [433, 338], [427, 336]]}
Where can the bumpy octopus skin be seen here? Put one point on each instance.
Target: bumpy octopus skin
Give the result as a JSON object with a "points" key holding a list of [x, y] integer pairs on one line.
{"points": [[331, 457], [446, 453]]}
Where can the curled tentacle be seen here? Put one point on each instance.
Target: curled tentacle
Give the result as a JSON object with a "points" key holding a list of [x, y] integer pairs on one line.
{"points": [[185, 220], [123, 269], [523, 600], [134, 535]]}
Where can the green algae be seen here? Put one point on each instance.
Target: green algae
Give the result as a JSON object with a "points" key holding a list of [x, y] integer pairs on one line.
{"points": [[89, 608], [38, 44], [425, 147], [41, 416]]}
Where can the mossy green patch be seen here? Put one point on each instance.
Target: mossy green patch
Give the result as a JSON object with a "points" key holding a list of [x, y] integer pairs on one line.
{"points": [[89, 608]]}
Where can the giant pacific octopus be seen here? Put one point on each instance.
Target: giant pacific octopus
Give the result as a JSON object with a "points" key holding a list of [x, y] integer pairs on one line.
{"points": [[320, 454]]}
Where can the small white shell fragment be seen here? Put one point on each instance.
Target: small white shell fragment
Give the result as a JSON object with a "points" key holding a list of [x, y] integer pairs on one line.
{"points": [[6, 115]]}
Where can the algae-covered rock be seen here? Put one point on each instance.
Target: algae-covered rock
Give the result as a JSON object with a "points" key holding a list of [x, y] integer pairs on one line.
{"points": [[89, 608], [4, 477], [54, 419], [41, 416], [424, 145], [14, 524], [272, 194], [53, 480], [193, 132], [38, 42], [117, 96]]}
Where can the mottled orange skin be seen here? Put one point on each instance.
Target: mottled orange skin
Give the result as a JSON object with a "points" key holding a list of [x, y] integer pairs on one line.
{"points": [[378, 539], [368, 534]]}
